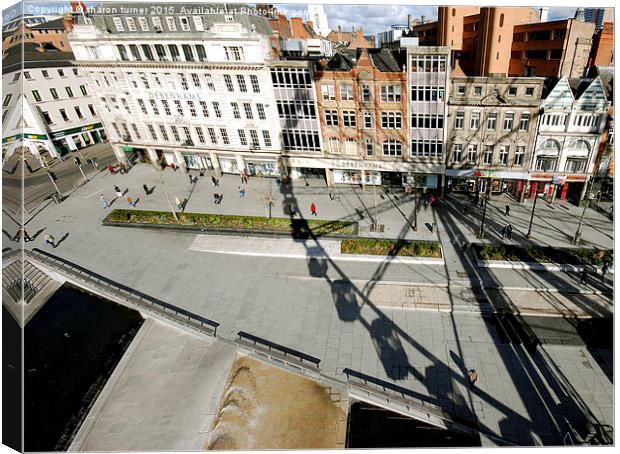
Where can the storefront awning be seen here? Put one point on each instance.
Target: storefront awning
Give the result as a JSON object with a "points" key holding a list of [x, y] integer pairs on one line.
{"points": [[127, 149]]}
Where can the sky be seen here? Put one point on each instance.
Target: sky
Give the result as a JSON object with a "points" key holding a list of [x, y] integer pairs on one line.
{"points": [[372, 18]]}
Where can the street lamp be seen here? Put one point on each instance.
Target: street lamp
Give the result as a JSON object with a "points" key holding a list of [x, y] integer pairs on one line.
{"points": [[78, 163], [577, 236], [529, 229], [53, 179], [486, 203]]}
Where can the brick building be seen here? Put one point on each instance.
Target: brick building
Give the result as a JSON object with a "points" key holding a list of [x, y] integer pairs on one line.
{"points": [[491, 132], [362, 101], [602, 53]]}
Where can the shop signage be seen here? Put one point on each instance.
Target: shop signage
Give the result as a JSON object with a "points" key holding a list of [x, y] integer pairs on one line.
{"points": [[181, 96], [541, 176], [576, 177], [25, 136], [67, 132], [349, 164], [559, 179]]}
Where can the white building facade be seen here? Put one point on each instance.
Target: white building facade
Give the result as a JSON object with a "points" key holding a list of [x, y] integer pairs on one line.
{"points": [[191, 90], [48, 106], [569, 131]]}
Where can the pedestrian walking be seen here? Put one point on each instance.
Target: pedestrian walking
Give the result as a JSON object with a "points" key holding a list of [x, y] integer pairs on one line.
{"points": [[605, 269], [331, 194], [111, 169], [122, 168], [213, 181], [174, 166], [472, 375], [509, 231], [146, 189], [191, 179], [584, 276], [131, 202], [103, 202], [503, 232], [118, 191], [241, 192], [507, 212], [292, 210], [178, 202], [313, 209], [49, 239]]}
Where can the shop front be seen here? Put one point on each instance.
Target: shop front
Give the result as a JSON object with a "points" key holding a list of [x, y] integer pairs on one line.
{"points": [[497, 182], [565, 187], [77, 138], [262, 168], [341, 176], [228, 164]]}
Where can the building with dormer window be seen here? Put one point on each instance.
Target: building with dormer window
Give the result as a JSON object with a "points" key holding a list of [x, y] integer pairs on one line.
{"points": [[574, 114]]}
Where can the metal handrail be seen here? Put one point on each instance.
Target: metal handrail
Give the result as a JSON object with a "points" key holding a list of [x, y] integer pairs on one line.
{"points": [[281, 348], [141, 297]]}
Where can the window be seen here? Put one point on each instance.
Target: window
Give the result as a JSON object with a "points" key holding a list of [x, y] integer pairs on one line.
{"points": [[331, 118], [175, 133], [291, 78], [205, 109], [164, 102], [148, 53], [178, 106], [261, 111], [152, 132], [550, 145], [216, 109], [247, 107], [501, 20], [519, 155], [229, 83], [492, 121], [125, 105], [212, 136], [477, 90], [184, 23], [426, 121], [233, 53], [368, 147], [16, 76], [131, 24], [524, 123], [61, 73], [188, 135], [135, 53], [241, 82], [224, 135], [546, 164], [509, 118], [580, 145], [472, 152], [254, 138], [428, 63], [188, 52], [36, 95], [184, 83], [575, 165], [487, 157], [348, 119], [329, 92], [83, 90], [512, 91], [46, 117], [210, 83], [255, 84], [200, 134], [390, 93], [235, 108], [118, 23], [69, 92], [198, 23], [142, 106], [7, 100], [192, 108], [346, 92], [122, 52], [27, 75], [474, 120], [368, 123], [172, 25], [559, 33], [242, 138], [350, 146], [536, 54], [63, 114], [460, 90], [366, 93], [504, 150], [392, 148], [459, 120], [391, 120], [529, 91], [174, 52], [144, 24], [200, 50], [333, 145], [539, 35]]}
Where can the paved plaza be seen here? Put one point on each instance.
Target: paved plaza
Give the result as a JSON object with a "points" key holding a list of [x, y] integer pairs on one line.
{"points": [[325, 307]]}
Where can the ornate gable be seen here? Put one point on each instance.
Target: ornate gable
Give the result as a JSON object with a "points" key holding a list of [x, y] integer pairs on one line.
{"points": [[561, 96]]}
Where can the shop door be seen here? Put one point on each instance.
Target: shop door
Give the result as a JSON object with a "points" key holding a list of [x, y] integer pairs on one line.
{"points": [[392, 179]]}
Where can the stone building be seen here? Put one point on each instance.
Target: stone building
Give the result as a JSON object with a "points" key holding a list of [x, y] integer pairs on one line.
{"points": [[362, 100], [491, 133], [194, 90], [569, 131]]}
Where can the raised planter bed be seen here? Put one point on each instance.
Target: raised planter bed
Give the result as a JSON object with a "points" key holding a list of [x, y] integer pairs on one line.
{"points": [[232, 224], [541, 258], [391, 248]]}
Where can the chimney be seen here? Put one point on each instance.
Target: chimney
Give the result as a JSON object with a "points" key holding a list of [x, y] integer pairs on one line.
{"points": [[68, 22], [409, 20], [544, 13], [339, 28], [297, 27]]}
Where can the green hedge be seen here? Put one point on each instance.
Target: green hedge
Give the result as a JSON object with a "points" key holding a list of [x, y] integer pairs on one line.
{"points": [[538, 254], [391, 248], [221, 221]]}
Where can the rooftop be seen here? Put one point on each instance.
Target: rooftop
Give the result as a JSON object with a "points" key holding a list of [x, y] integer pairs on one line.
{"points": [[34, 56]]}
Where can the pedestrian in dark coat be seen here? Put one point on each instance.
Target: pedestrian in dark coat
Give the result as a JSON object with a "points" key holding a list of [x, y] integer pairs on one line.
{"points": [[509, 231], [503, 232], [472, 375], [584, 276], [507, 212]]}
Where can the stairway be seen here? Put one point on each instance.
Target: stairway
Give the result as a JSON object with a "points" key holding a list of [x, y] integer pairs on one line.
{"points": [[33, 280]]}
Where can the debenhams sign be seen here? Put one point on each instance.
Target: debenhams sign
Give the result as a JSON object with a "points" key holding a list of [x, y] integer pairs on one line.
{"points": [[177, 95]]}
